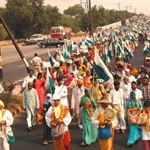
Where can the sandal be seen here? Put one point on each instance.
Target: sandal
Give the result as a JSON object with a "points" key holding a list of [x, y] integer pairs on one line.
{"points": [[117, 131], [122, 131], [83, 144]]}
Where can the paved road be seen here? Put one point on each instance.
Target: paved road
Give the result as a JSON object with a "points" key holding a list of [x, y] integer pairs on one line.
{"points": [[26, 140], [13, 66]]}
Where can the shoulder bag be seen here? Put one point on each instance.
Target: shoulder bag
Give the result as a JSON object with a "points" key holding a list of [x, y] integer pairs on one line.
{"points": [[58, 130], [104, 132], [9, 133], [10, 136]]}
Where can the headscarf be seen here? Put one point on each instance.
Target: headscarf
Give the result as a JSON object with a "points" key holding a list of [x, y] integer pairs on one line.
{"points": [[131, 94]]}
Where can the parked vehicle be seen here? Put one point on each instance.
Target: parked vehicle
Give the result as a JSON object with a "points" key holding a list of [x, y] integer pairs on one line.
{"points": [[51, 42], [34, 39]]}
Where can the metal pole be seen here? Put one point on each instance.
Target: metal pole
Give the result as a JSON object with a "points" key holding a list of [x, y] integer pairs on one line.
{"points": [[90, 19], [15, 44]]}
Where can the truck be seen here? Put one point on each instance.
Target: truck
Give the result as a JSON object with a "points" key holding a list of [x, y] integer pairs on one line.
{"points": [[60, 32]]}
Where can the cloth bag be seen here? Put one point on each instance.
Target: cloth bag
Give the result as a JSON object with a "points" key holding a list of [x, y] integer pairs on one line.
{"points": [[58, 130], [10, 136], [104, 133]]}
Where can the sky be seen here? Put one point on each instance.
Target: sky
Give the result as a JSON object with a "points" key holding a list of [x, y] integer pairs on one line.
{"points": [[138, 6]]}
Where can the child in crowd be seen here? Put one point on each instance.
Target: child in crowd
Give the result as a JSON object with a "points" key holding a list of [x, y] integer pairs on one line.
{"points": [[46, 130], [144, 121]]}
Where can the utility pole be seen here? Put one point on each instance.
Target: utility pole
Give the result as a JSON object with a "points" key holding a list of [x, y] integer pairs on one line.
{"points": [[130, 8], [90, 19], [84, 4], [135, 10], [14, 42], [118, 4], [126, 8]]}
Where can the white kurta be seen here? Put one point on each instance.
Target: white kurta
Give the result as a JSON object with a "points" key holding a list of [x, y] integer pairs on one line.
{"points": [[117, 99], [138, 94], [31, 104], [63, 93], [4, 145], [77, 93], [126, 88], [27, 80]]}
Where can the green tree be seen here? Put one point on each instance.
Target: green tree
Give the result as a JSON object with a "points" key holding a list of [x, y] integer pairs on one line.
{"points": [[76, 14], [51, 17], [3, 33], [24, 16], [74, 11]]}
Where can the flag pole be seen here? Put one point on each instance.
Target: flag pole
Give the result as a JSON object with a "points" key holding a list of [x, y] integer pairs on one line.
{"points": [[50, 88], [93, 79]]}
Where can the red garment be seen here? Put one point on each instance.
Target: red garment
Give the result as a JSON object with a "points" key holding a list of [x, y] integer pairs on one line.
{"points": [[40, 87], [67, 140], [68, 80]]}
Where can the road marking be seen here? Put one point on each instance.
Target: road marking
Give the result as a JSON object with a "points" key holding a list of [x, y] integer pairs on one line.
{"points": [[10, 62], [21, 80]]}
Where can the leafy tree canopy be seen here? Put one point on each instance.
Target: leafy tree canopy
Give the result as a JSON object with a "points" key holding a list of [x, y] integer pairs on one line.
{"points": [[26, 17]]}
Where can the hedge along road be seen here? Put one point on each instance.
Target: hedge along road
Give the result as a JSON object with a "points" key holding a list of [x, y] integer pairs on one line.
{"points": [[33, 140]]}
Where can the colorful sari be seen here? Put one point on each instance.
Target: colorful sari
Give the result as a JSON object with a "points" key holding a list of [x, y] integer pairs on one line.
{"points": [[135, 130], [40, 87], [90, 132]]}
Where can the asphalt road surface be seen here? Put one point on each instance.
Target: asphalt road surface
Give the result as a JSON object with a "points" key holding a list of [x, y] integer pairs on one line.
{"points": [[32, 140], [13, 66]]}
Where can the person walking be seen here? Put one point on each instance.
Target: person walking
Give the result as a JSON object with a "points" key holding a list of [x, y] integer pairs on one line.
{"points": [[144, 121], [39, 85], [104, 125], [62, 91], [145, 88], [133, 109], [6, 120], [90, 132], [77, 93], [97, 90], [59, 114], [27, 79], [116, 96], [31, 105], [36, 62], [47, 138]]}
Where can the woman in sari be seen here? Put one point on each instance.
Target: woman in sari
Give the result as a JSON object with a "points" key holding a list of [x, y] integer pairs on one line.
{"points": [[90, 132], [133, 108], [39, 85]]}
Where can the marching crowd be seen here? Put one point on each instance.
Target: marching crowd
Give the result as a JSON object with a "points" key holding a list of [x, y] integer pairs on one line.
{"points": [[80, 84], [102, 98]]}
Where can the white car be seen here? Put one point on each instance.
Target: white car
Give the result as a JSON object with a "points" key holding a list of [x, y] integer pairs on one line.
{"points": [[34, 39]]}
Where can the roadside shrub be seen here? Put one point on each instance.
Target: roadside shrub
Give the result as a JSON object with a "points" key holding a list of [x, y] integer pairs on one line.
{"points": [[11, 101]]}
